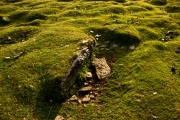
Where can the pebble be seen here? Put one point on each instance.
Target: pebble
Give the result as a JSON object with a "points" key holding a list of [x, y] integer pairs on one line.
{"points": [[86, 84], [88, 75], [132, 47], [97, 36], [92, 96], [114, 45], [79, 101], [91, 31], [86, 89], [7, 57], [59, 118], [86, 99], [123, 47], [73, 98]]}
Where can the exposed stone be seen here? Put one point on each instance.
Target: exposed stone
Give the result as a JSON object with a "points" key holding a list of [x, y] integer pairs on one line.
{"points": [[85, 89], [123, 47], [77, 65], [97, 36], [73, 98], [89, 75], [102, 46], [132, 47], [114, 45], [91, 31], [172, 34], [92, 96], [79, 101], [86, 83], [120, 64], [59, 118], [86, 99], [3, 20], [102, 69], [95, 94], [107, 42], [7, 57]]}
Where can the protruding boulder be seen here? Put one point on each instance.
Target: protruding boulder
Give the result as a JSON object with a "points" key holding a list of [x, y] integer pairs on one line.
{"points": [[102, 68]]}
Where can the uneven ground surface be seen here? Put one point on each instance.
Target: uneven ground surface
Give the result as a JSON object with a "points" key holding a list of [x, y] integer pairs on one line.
{"points": [[39, 38]]}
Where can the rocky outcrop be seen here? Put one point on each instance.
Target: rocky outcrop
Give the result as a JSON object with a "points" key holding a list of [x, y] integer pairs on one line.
{"points": [[102, 68], [77, 66]]}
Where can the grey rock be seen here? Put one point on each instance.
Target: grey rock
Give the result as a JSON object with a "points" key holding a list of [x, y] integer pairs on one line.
{"points": [[102, 68], [76, 66]]}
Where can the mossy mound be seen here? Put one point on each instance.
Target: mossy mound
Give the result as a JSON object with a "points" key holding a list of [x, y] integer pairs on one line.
{"points": [[40, 39]]}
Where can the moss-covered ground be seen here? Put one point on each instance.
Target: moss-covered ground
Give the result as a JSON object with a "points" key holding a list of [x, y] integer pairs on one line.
{"points": [[38, 39]]}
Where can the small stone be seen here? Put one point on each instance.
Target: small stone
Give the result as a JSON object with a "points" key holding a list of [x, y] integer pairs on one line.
{"points": [[154, 93], [107, 42], [86, 99], [24, 118], [102, 68], [97, 36], [86, 84], [123, 47], [102, 49], [114, 45], [84, 89], [79, 101], [95, 94], [59, 118], [9, 38], [66, 46], [73, 98], [132, 47], [102, 46], [92, 96], [7, 57], [89, 75], [91, 31], [84, 41]]}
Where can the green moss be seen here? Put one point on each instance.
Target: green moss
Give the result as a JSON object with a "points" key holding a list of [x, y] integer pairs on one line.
{"points": [[40, 38]]}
